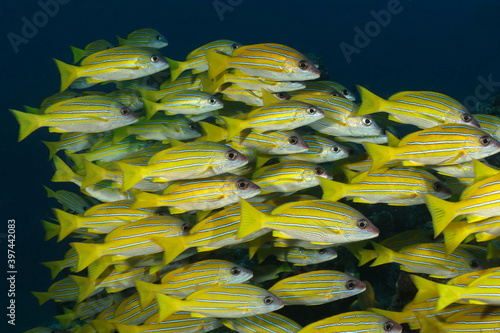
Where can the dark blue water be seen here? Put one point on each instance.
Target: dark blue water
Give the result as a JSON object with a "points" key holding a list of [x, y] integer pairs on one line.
{"points": [[451, 47]]}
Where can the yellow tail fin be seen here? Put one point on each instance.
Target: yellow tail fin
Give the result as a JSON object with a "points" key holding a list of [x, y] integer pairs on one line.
{"points": [[147, 292], [176, 68], [233, 126], [370, 103], [52, 148], [251, 219], [448, 294], [41, 296], [132, 174], [442, 211], [168, 305], [77, 54], [28, 123], [332, 190], [51, 229], [217, 63], [67, 223], [87, 253], [65, 319], [454, 234], [69, 73], [63, 171], [54, 266], [380, 155], [172, 247], [93, 174], [384, 255], [150, 107], [119, 134], [121, 41], [427, 289]]}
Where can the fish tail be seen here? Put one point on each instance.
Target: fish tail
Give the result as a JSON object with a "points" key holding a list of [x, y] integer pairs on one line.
{"points": [[51, 230], [54, 266], [93, 174], [121, 328], [260, 160], [251, 219], [87, 253], [65, 319], [77, 53], [150, 107], [429, 324], [217, 63], [380, 155], [262, 254], [144, 199], [52, 148], [366, 255], [96, 268], [77, 159], [176, 68], [398, 317], [132, 174], [67, 223], [448, 294], [233, 126], [384, 255], [454, 234], [150, 95], [209, 86], [332, 190], [50, 193], [442, 212], [213, 133], [69, 73], [28, 123], [172, 247], [41, 296], [121, 41], [63, 171], [370, 103], [119, 134], [427, 289], [147, 292], [168, 305], [484, 237]]}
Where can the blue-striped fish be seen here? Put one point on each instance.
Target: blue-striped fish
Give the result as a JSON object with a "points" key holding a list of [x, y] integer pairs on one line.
{"points": [[185, 161], [196, 276], [71, 202], [143, 83], [115, 64], [185, 82], [267, 322], [423, 109], [297, 255], [355, 321], [317, 287], [69, 261], [144, 38], [444, 144], [321, 150], [477, 320], [286, 115], [129, 311], [489, 123], [317, 221], [289, 176], [128, 97], [394, 186], [81, 114], [272, 61], [93, 47], [225, 301], [71, 288], [56, 98], [200, 194], [484, 230], [178, 322]]}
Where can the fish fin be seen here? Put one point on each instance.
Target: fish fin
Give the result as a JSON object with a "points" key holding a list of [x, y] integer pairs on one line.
{"points": [[366, 255], [370, 103], [33, 110], [65, 319], [119, 134], [150, 95], [442, 212], [147, 292], [28, 123], [52, 148], [454, 234], [392, 140], [144, 200], [41, 296], [380, 155], [483, 171], [251, 219], [261, 159], [51, 229], [77, 53], [217, 63], [85, 286], [121, 41], [197, 315], [448, 294], [176, 68], [50, 193], [97, 268], [484, 237], [93, 174], [202, 214], [167, 305], [150, 107], [262, 254], [429, 324], [175, 210], [398, 317], [233, 126], [280, 234], [63, 171], [254, 245], [384, 254], [132, 174], [212, 132], [172, 247], [67, 223], [471, 218], [332, 190], [121, 328], [427, 289], [69, 73], [87, 253], [54, 266]]}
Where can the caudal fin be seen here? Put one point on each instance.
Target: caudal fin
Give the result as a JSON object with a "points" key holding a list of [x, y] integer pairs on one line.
{"points": [[87, 253], [150, 107], [427, 289], [132, 174], [78, 54], [147, 292], [217, 63], [442, 212], [380, 155], [233, 126], [251, 219], [370, 103], [67, 223], [454, 234], [448, 294], [168, 305], [332, 190], [384, 255], [176, 68], [28, 123], [69, 73]]}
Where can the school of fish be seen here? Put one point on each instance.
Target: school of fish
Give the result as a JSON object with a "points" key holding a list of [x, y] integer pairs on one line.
{"points": [[192, 173]]}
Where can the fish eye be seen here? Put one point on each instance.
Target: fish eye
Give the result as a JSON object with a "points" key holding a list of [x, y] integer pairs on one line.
{"points": [[474, 264], [362, 224], [185, 227], [234, 46], [437, 186], [232, 155], [319, 171], [466, 117], [235, 271], [388, 326], [212, 101], [311, 110], [321, 251], [192, 126], [366, 121], [268, 300], [158, 37], [155, 58], [293, 140], [336, 149], [125, 111], [282, 95], [350, 285], [242, 184], [485, 140], [345, 92], [303, 64]]}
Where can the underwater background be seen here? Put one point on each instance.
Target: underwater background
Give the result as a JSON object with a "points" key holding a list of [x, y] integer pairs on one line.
{"points": [[449, 46]]}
